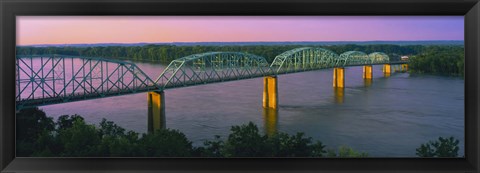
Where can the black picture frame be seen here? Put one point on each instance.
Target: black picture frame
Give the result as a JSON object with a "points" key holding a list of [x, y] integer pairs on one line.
{"points": [[10, 8]]}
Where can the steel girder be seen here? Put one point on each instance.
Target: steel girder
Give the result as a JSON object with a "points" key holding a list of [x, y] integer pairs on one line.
{"points": [[50, 79], [304, 59], [379, 57], [308, 58], [355, 58], [212, 67]]}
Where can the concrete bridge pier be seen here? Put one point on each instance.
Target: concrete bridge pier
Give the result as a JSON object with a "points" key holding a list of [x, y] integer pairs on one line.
{"points": [[156, 110], [404, 67], [367, 72], [339, 77], [387, 70], [270, 92]]}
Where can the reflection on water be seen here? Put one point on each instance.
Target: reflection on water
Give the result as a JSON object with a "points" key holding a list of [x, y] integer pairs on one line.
{"points": [[156, 111], [339, 94], [367, 82], [270, 117]]}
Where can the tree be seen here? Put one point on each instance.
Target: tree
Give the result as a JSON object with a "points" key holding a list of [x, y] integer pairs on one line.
{"points": [[443, 60], [115, 142], [344, 151], [297, 145], [443, 147], [70, 136], [80, 139], [32, 125], [211, 148], [66, 121], [165, 143], [245, 141]]}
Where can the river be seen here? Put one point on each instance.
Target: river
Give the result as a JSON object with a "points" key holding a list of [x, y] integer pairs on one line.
{"points": [[389, 117]]}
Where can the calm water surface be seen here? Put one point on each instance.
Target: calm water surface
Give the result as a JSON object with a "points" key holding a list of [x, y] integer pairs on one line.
{"points": [[389, 117]]}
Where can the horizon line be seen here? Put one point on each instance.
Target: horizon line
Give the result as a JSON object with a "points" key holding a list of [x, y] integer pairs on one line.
{"points": [[231, 42]]}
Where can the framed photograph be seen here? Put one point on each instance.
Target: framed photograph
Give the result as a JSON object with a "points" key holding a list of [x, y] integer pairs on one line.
{"points": [[191, 86]]}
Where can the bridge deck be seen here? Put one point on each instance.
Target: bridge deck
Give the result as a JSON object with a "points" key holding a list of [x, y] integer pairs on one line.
{"points": [[51, 80], [80, 96]]}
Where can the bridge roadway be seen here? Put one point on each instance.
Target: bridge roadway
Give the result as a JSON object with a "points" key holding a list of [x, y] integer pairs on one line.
{"points": [[195, 83], [49, 79]]}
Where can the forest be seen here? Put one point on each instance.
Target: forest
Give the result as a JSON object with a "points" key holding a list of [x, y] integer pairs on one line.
{"points": [[70, 136], [38, 135], [439, 60], [167, 53], [431, 59]]}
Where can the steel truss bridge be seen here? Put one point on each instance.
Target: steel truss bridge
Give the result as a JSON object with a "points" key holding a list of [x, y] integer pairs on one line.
{"points": [[53, 79]]}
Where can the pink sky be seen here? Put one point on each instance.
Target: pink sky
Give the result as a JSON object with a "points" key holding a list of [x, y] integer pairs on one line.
{"points": [[134, 29]]}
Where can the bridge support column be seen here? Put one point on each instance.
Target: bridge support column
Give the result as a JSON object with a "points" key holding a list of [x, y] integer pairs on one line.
{"points": [[270, 92], [156, 110], [338, 77], [404, 67], [367, 72], [387, 69]]}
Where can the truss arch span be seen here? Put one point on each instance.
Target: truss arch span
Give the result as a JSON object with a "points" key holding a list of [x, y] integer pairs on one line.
{"points": [[354, 58], [378, 57], [50, 79], [304, 59], [212, 67]]}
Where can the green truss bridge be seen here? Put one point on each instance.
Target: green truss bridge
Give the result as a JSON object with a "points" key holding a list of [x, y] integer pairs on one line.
{"points": [[53, 79]]}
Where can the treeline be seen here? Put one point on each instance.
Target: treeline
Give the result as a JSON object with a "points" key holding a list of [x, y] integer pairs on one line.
{"points": [[443, 60], [443, 147], [167, 53], [40, 136]]}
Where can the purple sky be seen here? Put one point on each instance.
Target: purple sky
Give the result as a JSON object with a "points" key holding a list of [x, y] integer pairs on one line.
{"points": [[133, 29]]}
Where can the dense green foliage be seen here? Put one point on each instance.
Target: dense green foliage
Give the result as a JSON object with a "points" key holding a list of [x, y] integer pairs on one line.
{"points": [[167, 53], [442, 60], [32, 131], [246, 141], [344, 151], [70, 136], [443, 147]]}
